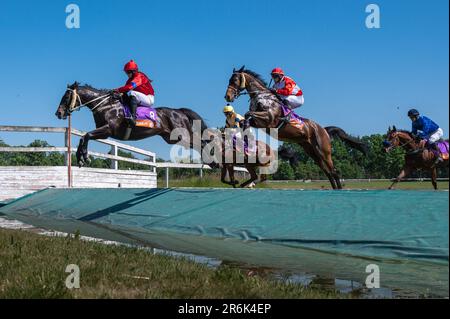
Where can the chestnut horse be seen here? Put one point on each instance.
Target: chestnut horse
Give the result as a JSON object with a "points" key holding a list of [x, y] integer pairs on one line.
{"points": [[266, 112], [416, 157]]}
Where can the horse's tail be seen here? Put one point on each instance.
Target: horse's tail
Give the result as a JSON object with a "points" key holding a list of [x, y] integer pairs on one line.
{"points": [[351, 141], [194, 116]]}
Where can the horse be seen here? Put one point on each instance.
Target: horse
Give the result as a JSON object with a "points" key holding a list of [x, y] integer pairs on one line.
{"points": [[265, 111], [417, 156], [110, 119], [263, 155]]}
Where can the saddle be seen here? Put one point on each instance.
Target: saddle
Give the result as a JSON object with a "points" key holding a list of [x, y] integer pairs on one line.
{"points": [[443, 147], [291, 117], [145, 116]]}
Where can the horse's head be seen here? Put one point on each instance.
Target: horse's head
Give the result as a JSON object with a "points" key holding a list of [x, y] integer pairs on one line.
{"points": [[68, 102], [396, 138], [236, 85]]}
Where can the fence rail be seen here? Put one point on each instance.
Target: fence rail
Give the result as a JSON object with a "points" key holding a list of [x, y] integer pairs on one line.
{"points": [[68, 150], [113, 155], [368, 180]]}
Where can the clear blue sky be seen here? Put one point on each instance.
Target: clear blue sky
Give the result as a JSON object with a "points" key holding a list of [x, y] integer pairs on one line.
{"points": [[352, 77]]}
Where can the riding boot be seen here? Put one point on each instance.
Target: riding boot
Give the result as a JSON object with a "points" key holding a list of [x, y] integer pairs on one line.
{"points": [[284, 120], [133, 104]]}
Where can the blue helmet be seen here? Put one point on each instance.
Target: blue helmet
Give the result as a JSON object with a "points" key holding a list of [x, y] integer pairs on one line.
{"points": [[413, 112]]}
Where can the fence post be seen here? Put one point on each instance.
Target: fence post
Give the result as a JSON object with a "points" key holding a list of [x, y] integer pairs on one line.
{"points": [[68, 154], [167, 177], [201, 172], [154, 164], [114, 151]]}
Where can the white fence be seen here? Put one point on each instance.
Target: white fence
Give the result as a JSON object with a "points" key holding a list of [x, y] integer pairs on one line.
{"points": [[19, 180], [14, 179]]}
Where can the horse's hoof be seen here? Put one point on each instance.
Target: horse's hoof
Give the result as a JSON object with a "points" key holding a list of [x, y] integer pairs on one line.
{"points": [[80, 164], [87, 160]]}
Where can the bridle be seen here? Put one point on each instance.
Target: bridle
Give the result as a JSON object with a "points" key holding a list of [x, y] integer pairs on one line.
{"points": [[237, 92], [75, 97], [242, 86], [395, 135]]}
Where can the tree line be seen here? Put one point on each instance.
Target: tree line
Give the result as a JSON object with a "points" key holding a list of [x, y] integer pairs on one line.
{"points": [[349, 163]]}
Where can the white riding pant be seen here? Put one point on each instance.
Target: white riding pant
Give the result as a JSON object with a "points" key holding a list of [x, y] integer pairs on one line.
{"points": [[144, 100], [293, 101], [436, 136]]}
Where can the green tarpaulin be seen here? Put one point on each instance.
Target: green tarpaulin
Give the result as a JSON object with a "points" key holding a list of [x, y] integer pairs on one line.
{"points": [[332, 232]]}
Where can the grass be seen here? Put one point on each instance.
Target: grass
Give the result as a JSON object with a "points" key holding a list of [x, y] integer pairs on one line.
{"points": [[33, 266], [214, 181]]}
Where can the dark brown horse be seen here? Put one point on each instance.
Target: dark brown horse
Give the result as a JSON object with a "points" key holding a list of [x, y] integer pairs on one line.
{"points": [[110, 119], [265, 112], [417, 155], [261, 157]]}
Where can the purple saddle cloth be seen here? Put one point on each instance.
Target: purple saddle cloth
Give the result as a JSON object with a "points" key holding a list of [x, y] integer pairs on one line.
{"points": [[142, 113], [247, 148], [294, 116], [443, 147]]}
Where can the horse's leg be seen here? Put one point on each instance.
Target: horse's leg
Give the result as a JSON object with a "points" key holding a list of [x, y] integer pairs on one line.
{"points": [[434, 177], [263, 178], [99, 133], [405, 172], [324, 167], [79, 153], [316, 155], [233, 182], [328, 161], [253, 176], [259, 119], [223, 174]]}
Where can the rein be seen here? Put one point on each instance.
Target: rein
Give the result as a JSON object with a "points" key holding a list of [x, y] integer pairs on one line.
{"points": [[76, 98], [406, 143], [237, 92]]}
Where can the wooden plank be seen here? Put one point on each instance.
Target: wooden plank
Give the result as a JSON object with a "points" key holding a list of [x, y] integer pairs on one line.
{"points": [[15, 128], [32, 149], [120, 158], [120, 145], [61, 170], [188, 165]]}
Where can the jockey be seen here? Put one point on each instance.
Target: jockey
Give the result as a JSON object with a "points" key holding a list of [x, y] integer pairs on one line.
{"points": [[426, 129], [138, 89], [286, 89], [233, 119]]}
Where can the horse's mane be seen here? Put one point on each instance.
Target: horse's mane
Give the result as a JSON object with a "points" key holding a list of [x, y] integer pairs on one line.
{"points": [[257, 77], [400, 131], [90, 87]]}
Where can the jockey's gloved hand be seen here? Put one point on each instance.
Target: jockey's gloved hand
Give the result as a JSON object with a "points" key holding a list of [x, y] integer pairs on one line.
{"points": [[416, 137], [116, 95], [274, 91]]}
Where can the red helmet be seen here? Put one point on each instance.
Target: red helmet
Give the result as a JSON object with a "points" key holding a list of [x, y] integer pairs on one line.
{"points": [[130, 66], [277, 71]]}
